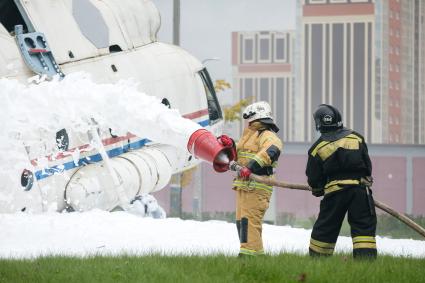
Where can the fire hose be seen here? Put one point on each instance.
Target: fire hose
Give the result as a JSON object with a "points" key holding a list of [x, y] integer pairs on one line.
{"points": [[400, 216]]}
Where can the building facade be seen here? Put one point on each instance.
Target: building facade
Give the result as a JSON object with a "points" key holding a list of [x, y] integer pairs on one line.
{"points": [[336, 39], [366, 57], [263, 71], [400, 63], [412, 35]]}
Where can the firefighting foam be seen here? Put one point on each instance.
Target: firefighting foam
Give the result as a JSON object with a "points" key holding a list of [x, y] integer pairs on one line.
{"points": [[31, 115], [77, 102], [29, 236]]}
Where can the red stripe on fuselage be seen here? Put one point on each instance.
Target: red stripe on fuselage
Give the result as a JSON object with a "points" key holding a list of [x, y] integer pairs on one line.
{"points": [[196, 114], [110, 141]]}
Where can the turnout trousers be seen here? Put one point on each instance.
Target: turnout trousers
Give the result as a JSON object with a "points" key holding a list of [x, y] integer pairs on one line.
{"points": [[361, 216], [251, 205]]}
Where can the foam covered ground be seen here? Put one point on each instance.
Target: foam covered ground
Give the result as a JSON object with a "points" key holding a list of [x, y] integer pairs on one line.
{"points": [[103, 233]]}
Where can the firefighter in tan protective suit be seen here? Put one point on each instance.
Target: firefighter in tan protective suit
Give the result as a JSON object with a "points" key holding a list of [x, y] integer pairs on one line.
{"points": [[257, 151]]}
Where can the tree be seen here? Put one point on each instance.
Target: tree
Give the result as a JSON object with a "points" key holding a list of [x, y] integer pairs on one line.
{"points": [[221, 85], [231, 113]]}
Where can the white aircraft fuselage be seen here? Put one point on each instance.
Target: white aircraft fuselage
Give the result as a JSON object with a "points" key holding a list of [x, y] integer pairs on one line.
{"points": [[111, 40]]}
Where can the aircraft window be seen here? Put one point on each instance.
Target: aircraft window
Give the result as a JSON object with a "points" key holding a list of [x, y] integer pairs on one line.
{"points": [[91, 23], [214, 109], [114, 48], [10, 16], [27, 179], [62, 140]]}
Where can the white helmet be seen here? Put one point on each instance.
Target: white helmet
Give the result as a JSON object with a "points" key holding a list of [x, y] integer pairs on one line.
{"points": [[257, 110], [260, 111]]}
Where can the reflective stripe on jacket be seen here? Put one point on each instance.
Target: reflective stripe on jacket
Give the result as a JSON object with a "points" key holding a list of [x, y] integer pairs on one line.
{"points": [[334, 165], [258, 149]]}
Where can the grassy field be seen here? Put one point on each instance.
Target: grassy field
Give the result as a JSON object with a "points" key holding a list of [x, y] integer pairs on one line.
{"points": [[282, 268]]}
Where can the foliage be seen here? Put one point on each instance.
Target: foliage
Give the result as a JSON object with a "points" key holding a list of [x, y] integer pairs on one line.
{"points": [[184, 178], [221, 85], [187, 176], [155, 268], [223, 216], [291, 220], [387, 226], [233, 113]]}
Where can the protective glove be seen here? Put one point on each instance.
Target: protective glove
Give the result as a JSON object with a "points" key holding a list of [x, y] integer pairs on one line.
{"points": [[317, 192], [244, 173], [226, 140], [229, 144]]}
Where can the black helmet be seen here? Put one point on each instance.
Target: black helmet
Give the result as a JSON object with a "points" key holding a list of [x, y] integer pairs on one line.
{"points": [[327, 118]]}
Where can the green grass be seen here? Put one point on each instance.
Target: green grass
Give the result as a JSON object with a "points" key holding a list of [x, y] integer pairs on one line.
{"points": [[282, 268]]}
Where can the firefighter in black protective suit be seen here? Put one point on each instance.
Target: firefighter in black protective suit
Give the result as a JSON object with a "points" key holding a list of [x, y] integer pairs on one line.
{"points": [[339, 168]]}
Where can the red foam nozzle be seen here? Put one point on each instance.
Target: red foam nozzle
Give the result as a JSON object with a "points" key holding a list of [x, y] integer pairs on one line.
{"points": [[204, 145]]}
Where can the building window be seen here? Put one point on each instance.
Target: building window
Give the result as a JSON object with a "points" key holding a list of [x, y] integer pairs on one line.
{"points": [[279, 104], [264, 89], [279, 48], [318, 1], [397, 68], [248, 50], [391, 120], [264, 49], [338, 1], [391, 84], [248, 88]]}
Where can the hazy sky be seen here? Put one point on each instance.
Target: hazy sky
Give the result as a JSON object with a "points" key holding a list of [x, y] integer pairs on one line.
{"points": [[206, 26]]}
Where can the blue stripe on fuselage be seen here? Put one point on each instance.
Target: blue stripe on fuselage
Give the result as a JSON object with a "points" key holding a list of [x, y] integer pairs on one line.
{"points": [[47, 172]]}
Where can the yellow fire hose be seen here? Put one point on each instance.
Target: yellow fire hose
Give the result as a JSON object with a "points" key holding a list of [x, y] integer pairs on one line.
{"points": [[400, 216]]}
